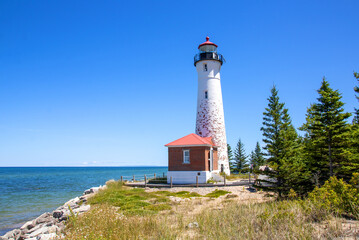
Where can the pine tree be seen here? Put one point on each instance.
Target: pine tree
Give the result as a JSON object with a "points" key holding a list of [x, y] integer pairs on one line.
{"points": [[230, 158], [279, 137], [256, 158], [326, 140], [240, 162], [356, 89]]}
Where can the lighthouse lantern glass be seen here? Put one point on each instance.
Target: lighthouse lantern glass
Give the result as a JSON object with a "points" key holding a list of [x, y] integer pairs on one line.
{"points": [[208, 48]]}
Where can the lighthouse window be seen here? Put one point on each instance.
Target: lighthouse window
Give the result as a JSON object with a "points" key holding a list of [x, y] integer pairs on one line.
{"points": [[205, 68], [186, 156], [206, 94]]}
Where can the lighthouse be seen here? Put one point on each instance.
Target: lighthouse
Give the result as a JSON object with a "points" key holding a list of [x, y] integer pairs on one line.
{"points": [[210, 114]]}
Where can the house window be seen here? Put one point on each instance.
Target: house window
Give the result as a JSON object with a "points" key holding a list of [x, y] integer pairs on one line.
{"points": [[205, 68], [186, 156], [206, 94]]}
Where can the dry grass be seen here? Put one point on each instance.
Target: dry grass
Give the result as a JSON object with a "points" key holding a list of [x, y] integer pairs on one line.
{"points": [[106, 222], [225, 217]]}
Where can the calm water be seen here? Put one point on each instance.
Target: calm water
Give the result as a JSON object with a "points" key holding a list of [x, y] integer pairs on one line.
{"points": [[27, 192]]}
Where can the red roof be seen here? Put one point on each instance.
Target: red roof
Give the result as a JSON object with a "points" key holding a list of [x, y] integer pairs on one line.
{"points": [[207, 43], [191, 140]]}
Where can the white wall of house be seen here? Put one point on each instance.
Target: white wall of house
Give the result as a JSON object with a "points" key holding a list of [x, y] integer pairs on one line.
{"points": [[188, 177]]}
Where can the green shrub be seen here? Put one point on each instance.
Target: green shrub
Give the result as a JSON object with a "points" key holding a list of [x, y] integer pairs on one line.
{"points": [[216, 193], [337, 197]]}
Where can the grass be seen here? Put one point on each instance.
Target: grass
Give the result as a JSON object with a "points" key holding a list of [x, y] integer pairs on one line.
{"points": [[181, 194], [158, 180], [132, 201], [270, 220], [130, 213], [217, 193], [236, 176]]}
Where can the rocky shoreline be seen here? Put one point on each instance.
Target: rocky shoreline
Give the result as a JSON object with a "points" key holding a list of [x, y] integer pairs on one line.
{"points": [[50, 225]]}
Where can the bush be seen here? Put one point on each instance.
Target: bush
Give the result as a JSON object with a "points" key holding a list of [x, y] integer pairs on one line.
{"points": [[337, 197]]}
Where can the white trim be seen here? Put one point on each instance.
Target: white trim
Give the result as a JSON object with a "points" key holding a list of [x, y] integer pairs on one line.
{"points": [[204, 145], [211, 160], [184, 156]]}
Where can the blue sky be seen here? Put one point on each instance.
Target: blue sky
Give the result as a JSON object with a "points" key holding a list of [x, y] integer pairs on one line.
{"points": [[108, 83]]}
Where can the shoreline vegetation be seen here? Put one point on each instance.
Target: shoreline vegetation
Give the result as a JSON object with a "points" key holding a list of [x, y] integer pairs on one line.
{"points": [[115, 211], [233, 212]]}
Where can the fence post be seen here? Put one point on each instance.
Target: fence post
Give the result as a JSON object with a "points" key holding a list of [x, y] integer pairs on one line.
{"points": [[249, 179], [155, 176], [121, 179], [171, 183], [163, 175], [225, 183], [196, 181], [145, 181], [133, 178]]}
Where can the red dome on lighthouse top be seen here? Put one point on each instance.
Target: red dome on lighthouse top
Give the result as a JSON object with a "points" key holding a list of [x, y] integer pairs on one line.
{"points": [[207, 43]]}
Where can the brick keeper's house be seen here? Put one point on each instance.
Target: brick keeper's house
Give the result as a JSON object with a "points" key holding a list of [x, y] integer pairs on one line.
{"points": [[191, 156]]}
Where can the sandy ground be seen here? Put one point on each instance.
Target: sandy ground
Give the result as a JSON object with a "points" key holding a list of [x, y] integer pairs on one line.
{"points": [[242, 192], [192, 206], [195, 205]]}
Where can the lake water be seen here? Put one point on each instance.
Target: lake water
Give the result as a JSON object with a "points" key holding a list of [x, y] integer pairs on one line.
{"points": [[27, 192]]}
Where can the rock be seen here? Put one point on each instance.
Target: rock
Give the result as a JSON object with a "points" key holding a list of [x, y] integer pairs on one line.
{"points": [[193, 225], [110, 181], [14, 234], [57, 213], [63, 218], [53, 229], [88, 191], [61, 226], [82, 209], [48, 236], [96, 189], [43, 230], [51, 223], [43, 218], [37, 227], [28, 225]]}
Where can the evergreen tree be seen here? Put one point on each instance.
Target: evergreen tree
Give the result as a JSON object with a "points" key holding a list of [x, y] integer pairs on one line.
{"points": [[326, 140], [240, 162], [356, 89], [280, 139], [230, 158], [352, 166], [256, 158]]}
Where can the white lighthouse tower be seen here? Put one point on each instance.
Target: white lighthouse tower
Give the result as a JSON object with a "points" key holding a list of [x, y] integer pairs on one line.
{"points": [[210, 115]]}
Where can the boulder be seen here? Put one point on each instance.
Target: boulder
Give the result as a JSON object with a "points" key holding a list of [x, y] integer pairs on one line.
{"points": [[14, 234], [61, 226], [48, 236], [43, 230], [88, 191], [57, 213], [82, 209], [63, 218], [110, 181], [28, 225], [43, 218], [53, 229]]}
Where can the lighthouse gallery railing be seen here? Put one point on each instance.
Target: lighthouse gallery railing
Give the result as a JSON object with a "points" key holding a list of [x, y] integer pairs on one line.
{"points": [[208, 56]]}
